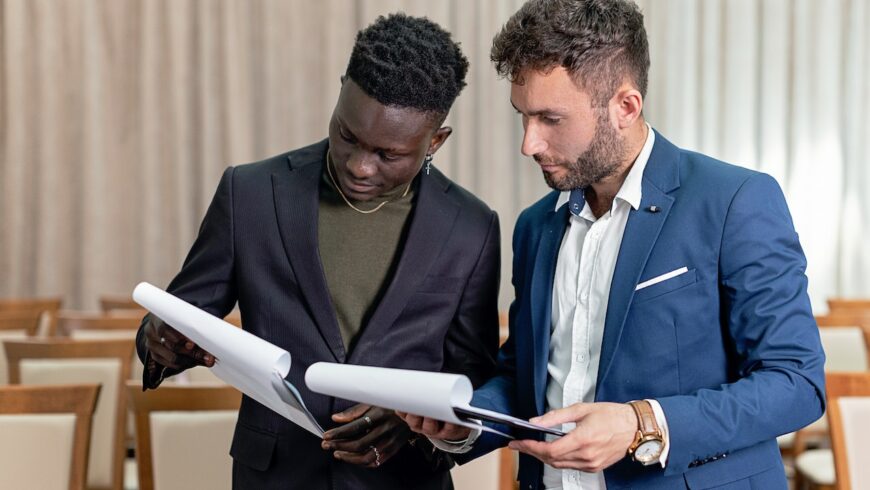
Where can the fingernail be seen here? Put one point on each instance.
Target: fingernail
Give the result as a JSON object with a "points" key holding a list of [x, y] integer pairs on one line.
{"points": [[534, 420], [188, 345], [326, 446]]}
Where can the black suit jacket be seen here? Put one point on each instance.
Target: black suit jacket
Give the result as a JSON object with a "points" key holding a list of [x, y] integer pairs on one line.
{"points": [[258, 246]]}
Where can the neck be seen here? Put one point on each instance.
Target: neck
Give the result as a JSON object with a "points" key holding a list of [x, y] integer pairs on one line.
{"points": [[600, 195]]}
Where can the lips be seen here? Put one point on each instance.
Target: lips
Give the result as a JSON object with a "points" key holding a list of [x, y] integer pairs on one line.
{"points": [[359, 187]]}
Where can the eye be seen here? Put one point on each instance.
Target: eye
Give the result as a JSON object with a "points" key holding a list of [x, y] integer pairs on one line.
{"points": [[387, 157], [345, 136], [550, 121]]}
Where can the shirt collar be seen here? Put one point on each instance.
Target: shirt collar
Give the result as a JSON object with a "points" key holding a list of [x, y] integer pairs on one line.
{"points": [[630, 191]]}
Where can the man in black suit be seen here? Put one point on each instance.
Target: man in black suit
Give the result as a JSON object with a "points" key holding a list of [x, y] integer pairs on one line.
{"points": [[354, 249]]}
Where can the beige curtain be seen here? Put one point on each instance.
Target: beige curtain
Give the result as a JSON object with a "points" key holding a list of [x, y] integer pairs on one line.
{"points": [[118, 116]]}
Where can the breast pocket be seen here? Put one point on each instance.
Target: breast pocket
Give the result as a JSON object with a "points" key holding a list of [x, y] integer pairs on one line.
{"points": [[658, 289]]}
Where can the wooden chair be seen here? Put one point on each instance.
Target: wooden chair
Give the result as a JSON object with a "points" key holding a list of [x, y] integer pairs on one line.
{"points": [[46, 307], [52, 361], [183, 435], [87, 325], [849, 417], [41, 447], [849, 305], [111, 302], [846, 350], [16, 325]]}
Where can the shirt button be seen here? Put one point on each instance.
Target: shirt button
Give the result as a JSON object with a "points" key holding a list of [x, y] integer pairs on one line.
{"points": [[581, 357]]}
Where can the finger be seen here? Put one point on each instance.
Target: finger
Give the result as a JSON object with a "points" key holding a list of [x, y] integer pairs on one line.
{"points": [[354, 429], [351, 413], [414, 422], [432, 426], [560, 416], [367, 458], [361, 443]]}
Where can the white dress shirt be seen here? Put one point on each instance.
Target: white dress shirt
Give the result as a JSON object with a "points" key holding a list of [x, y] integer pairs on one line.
{"points": [[581, 289]]}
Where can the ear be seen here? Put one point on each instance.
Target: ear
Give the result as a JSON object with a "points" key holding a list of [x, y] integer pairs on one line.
{"points": [[626, 106], [439, 138]]}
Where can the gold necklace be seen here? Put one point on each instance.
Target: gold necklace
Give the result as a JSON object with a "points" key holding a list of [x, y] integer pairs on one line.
{"points": [[347, 201]]}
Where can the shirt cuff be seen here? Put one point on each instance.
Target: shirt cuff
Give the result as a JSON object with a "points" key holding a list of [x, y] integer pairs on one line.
{"points": [[457, 447], [663, 425]]}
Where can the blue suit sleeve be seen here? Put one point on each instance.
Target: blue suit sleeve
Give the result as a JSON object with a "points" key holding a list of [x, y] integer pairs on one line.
{"points": [[779, 383]]}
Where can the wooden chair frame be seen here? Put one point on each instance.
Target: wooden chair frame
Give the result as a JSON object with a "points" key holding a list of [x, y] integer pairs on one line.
{"points": [[849, 305], [47, 306], [78, 399], [841, 385], [171, 398], [69, 322], [111, 302], [27, 320], [122, 350]]}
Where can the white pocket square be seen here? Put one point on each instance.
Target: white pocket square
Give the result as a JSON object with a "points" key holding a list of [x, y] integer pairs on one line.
{"points": [[663, 277]]}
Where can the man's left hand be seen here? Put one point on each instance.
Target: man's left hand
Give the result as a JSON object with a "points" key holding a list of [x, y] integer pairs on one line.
{"points": [[369, 437], [602, 436]]}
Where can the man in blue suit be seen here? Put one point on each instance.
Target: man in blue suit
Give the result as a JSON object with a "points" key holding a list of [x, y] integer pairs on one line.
{"points": [[661, 314]]}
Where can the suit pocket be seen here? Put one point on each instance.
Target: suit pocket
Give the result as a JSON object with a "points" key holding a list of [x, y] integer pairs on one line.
{"points": [[667, 286], [441, 284], [253, 447]]}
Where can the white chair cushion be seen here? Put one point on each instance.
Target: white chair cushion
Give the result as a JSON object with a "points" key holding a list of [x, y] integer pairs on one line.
{"points": [[107, 372], [855, 413], [36, 450], [192, 449], [817, 465], [845, 349]]}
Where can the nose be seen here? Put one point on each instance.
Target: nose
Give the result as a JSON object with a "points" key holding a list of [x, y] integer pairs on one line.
{"points": [[361, 165], [533, 142]]}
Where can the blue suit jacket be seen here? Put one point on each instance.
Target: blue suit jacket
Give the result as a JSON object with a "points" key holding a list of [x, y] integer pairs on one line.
{"points": [[730, 349]]}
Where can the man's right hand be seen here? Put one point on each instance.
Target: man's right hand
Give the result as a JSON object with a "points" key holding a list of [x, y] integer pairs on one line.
{"points": [[435, 429], [171, 349]]}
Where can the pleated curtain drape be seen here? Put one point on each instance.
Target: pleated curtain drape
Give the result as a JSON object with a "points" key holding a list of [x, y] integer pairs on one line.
{"points": [[117, 118]]}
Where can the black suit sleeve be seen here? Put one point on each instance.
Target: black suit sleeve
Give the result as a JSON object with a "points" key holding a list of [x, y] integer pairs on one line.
{"points": [[206, 279], [472, 338]]}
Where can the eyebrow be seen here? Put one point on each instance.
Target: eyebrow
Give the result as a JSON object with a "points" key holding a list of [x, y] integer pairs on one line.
{"points": [[343, 127], [540, 112]]}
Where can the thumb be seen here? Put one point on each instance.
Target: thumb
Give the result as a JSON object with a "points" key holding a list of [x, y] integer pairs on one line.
{"points": [[351, 413], [571, 413]]}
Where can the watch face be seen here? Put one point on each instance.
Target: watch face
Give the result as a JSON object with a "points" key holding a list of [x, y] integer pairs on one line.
{"points": [[648, 451]]}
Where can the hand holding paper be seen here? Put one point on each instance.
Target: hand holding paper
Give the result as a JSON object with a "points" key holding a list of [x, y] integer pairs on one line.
{"points": [[172, 349], [439, 396]]}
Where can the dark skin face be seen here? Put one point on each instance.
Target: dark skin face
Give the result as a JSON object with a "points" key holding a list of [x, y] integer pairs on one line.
{"points": [[376, 148]]}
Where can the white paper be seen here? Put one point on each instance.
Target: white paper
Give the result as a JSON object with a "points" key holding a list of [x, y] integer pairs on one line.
{"points": [[424, 393], [243, 360]]}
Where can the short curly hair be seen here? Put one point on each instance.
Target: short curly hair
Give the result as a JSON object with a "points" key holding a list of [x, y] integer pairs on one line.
{"points": [[407, 61], [599, 42]]}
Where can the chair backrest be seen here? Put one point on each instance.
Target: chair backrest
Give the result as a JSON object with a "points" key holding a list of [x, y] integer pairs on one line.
{"points": [[46, 307], [52, 361], [15, 325], [848, 319], [183, 435], [46, 433], [844, 305], [110, 302], [849, 416], [87, 325], [845, 348]]}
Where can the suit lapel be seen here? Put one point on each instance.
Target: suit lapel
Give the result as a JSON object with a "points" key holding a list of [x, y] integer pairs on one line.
{"points": [[432, 220], [541, 297], [296, 205], [661, 176]]}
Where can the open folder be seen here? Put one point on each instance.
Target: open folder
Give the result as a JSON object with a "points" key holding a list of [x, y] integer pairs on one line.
{"points": [[439, 396], [252, 365]]}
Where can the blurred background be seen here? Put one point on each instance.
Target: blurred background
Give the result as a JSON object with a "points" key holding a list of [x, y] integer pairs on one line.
{"points": [[117, 118]]}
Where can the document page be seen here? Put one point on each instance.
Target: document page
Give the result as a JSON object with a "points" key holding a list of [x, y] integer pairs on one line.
{"points": [[250, 364], [439, 396]]}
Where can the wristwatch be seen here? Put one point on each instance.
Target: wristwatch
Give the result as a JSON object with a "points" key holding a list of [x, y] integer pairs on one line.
{"points": [[649, 442]]}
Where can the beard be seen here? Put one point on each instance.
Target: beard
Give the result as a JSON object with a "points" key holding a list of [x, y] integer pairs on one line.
{"points": [[602, 159]]}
